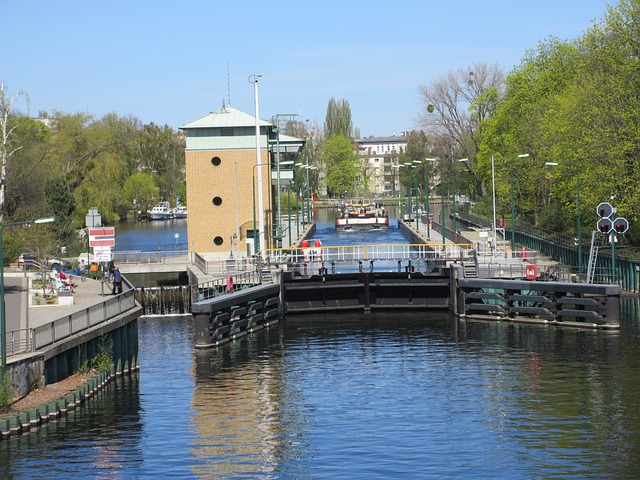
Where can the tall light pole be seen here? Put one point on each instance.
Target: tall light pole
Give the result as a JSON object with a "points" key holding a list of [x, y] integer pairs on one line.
{"points": [[443, 228], [237, 232], [426, 187], [409, 166], [253, 179], [455, 194], [258, 244], [278, 117], [513, 208], [493, 188], [416, 162], [258, 163], [289, 210], [3, 322], [579, 222]]}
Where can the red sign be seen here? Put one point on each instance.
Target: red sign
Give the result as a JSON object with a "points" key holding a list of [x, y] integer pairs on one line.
{"points": [[102, 237]]}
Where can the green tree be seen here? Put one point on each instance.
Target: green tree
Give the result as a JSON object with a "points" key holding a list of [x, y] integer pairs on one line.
{"points": [[27, 169], [573, 103], [160, 153], [61, 204], [343, 165], [338, 119], [141, 188]]}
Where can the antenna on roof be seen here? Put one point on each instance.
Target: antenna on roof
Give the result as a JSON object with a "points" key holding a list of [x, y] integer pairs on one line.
{"points": [[228, 84]]}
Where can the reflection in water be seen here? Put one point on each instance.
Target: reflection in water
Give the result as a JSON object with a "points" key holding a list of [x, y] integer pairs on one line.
{"points": [[380, 395], [237, 405], [387, 395]]}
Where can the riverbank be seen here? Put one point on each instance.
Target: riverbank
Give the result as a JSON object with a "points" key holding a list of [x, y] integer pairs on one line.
{"points": [[47, 394]]}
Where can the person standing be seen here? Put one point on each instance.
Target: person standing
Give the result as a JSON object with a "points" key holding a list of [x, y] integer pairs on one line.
{"points": [[117, 281], [83, 270], [112, 269]]}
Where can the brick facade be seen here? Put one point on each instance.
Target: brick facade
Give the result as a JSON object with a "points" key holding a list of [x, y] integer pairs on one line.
{"points": [[205, 182]]}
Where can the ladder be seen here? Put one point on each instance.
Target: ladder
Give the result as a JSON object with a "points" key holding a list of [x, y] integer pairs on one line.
{"points": [[593, 259]]}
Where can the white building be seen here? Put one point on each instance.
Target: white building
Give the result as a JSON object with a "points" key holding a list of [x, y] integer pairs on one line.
{"points": [[381, 154]]}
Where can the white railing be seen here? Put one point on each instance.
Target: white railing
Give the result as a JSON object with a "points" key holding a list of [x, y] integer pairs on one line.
{"points": [[384, 252]]}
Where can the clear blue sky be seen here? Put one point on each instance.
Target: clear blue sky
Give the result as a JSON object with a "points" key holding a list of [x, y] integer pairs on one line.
{"points": [[166, 62]]}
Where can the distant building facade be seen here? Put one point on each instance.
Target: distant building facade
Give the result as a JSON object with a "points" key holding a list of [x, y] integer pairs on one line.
{"points": [[223, 181], [381, 154]]}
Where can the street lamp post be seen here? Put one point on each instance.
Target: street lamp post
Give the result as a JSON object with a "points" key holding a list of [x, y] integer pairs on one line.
{"points": [[493, 187], [254, 79], [578, 220], [256, 236], [513, 209], [455, 194], [443, 228], [426, 183], [289, 210], [3, 323], [417, 196], [410, 211], [409, 165], [288, 117]]}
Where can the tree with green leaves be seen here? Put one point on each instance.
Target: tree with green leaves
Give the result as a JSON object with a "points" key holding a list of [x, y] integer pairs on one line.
{"points": [[141, 188], [61, 204], [343, 165], [573, 103], [338, 119]]}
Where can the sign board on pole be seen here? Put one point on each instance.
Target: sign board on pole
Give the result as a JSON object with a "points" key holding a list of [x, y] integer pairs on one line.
{"points": [[93, 218], [102, 254], [102, 237]]}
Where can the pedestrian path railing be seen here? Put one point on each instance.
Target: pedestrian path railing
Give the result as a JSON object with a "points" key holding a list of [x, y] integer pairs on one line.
{"points": [[89, 317], [158, 255], [224, 266], [226, 284], [29, 340], [376, 252]]}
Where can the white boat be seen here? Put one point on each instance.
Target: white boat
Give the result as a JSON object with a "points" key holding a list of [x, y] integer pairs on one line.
{"points": [[362, 214], [180, 211], [162, 211]]}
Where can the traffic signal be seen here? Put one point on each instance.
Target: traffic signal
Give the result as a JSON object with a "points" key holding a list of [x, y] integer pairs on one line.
{"points": [[620, 225], [604, 209], [605, 225]]}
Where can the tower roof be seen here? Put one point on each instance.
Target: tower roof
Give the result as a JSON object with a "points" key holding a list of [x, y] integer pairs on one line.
{"points": [[227, 116]]}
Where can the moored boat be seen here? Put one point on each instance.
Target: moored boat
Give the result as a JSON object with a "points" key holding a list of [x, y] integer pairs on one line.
{"points": [[162, 211], [180, 211], [362, 214]]}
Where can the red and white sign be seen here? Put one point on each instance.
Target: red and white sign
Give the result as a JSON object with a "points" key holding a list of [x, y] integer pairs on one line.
{"points": [[102, 237], [102, 254]]}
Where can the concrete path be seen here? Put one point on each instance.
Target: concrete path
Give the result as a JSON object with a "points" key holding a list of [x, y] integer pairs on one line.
{"points": [[20, 315]]}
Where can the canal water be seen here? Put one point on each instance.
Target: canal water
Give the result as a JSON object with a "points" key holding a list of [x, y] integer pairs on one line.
{"points": [[381, 395]]}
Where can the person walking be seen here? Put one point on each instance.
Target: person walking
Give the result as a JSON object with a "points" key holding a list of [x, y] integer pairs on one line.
{"points": [[117, 281]]}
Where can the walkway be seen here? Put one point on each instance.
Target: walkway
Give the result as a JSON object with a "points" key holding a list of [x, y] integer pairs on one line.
{"points": [[20, 316], [502, 259]]}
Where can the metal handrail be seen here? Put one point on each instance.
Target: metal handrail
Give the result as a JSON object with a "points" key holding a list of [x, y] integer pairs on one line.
{"points": [[225, 285], [375, 252], [76, 322], [32, 339]]}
